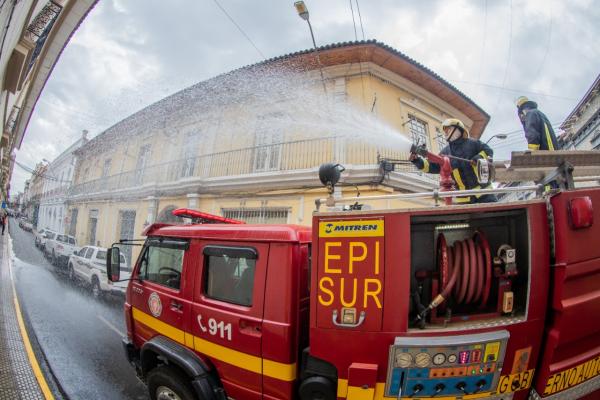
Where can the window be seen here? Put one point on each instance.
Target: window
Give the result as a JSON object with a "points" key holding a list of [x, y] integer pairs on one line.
{"points": [[190, 150], [143, 157], [229, 274], [418, 131], [267, 151], [106, 168], [71, 240], [441, 141], [81, 253], [61, 238], [259, 215], [89, 253], [162, 262]]}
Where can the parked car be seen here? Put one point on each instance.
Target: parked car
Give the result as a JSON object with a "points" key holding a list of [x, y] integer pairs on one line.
{"points": [[60, 248], [88, 265], [25, 224], [48, 235], [39, 237]]}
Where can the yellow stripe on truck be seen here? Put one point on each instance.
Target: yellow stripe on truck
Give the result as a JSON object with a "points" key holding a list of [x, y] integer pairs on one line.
{"points": [[249, 362]]}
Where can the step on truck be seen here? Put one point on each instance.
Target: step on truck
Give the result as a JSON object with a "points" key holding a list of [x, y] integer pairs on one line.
{"points": [[494, 301]]}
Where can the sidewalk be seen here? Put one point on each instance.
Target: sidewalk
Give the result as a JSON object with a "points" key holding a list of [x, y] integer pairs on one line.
{"points": [[18, 378]]}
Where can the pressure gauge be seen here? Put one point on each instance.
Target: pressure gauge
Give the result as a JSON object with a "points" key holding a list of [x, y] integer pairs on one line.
{"points": [[422, 360], [403, 360], [439, 358], [452, 358]]}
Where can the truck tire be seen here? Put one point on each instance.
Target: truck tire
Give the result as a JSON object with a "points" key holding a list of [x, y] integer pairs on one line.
{"points": [[71, 273], [96, 291], [166, 382]]}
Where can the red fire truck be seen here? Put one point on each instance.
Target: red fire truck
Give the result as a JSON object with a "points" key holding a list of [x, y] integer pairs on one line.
{"points": [[495, 301]]}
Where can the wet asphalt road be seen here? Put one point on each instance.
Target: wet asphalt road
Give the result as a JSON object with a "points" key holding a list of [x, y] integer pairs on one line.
{"points": [[80, 336]]}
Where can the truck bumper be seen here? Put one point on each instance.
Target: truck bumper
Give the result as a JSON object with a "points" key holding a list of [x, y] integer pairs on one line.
{"points": [[133, 356]]}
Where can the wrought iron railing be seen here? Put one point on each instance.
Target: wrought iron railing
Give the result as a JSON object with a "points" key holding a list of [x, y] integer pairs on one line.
{"points": [[279, 157]]}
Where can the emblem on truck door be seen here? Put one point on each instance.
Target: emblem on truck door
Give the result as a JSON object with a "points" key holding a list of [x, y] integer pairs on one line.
{"points": [[154, 304]]}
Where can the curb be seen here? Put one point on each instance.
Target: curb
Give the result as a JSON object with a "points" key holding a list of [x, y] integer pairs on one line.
{"points": [[40, 367]]}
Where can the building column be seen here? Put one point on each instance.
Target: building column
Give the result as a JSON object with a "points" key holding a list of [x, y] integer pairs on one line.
{"points": [[193, 204], [152, 209]]}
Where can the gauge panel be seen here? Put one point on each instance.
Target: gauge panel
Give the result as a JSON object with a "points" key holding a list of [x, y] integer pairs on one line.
{"points": [[426, 366]]}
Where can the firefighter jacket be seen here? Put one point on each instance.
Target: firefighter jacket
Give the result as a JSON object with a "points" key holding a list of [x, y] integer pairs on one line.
{"points": [[464, 173], [538, 131]]}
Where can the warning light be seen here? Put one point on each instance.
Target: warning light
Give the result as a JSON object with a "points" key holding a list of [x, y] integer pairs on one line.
{"points": [[463, 357], [476, 356]]}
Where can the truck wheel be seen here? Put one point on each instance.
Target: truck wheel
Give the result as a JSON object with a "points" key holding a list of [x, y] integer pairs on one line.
{"points": [[165, 383], [71, 272], [96, 291]]}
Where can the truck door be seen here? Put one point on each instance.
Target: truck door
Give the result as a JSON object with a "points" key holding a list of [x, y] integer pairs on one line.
{"points": [[158, 297], [227, 313]]}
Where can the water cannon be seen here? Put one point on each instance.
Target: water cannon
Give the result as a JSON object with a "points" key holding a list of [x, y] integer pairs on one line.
{"points": [[446, 182], [329, 174]]}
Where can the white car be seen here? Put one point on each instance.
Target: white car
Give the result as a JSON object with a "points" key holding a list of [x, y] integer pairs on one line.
{"points": [[60, 248], [41, 236], [89, 266]]}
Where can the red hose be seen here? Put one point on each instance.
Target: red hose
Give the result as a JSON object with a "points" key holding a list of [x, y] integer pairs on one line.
{"points": [[485, 247], [465, 270]]}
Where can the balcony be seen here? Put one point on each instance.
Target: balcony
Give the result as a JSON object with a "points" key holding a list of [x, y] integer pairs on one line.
{"points": [[284, 165]]}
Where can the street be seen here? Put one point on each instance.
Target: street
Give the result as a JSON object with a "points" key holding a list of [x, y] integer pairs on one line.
{"points": [[79, 336]]}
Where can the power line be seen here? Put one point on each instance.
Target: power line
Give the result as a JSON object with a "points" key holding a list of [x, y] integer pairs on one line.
{"points": [[507, 58], [483, 41], [353, 21], [547, 45], [33, 172], [513, 90], [360, 19], [240, 29]]}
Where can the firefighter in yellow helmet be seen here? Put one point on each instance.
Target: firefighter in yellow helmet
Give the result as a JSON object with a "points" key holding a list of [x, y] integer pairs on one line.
{"points": [[464, 173], [538, 129]]}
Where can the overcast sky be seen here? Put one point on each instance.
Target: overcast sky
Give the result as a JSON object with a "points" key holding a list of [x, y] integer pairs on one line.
{"points": [[130, 53]]}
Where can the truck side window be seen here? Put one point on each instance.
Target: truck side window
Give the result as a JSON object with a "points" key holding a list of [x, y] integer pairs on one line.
{"points": [[162, 265], [229, 274]]}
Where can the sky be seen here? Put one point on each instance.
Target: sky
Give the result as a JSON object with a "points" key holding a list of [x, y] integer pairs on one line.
{"points": [[128, 54]]}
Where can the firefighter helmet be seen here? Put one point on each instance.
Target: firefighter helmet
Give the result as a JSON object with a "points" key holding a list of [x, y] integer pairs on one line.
{"points": [[524, 102], [521, 100], [456, 123]]}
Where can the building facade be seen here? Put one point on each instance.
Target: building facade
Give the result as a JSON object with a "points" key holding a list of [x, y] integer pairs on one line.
{"points": [[56, 183], [582, 126], [254, 154], [33, 36]]}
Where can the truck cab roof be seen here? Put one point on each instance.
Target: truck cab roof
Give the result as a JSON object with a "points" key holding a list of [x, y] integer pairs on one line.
{"points": [[261, 233]]}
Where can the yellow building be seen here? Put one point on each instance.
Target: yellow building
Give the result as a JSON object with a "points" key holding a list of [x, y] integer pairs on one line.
{"points": [[249, 148]]}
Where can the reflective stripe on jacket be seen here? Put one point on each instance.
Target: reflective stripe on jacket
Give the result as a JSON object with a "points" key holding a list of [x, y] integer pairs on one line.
{"points": [[538, 131], [464, 173]]}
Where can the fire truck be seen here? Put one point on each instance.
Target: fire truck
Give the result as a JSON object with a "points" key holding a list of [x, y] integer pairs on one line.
{"points": [[496, 301]]}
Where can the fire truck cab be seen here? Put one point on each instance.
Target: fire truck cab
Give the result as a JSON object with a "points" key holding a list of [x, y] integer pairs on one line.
{"points": [[496, 301]]}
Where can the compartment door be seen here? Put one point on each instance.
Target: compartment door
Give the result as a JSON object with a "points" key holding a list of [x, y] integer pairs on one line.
{"points": [[350, 273]]}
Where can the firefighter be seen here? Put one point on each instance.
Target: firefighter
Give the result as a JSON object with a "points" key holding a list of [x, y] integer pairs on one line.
{"points": [[464, 173], [538, 130]]}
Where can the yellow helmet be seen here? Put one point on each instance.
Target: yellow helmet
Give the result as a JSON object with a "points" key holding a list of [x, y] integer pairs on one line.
{"points": [[521, 100], [455, 122]]}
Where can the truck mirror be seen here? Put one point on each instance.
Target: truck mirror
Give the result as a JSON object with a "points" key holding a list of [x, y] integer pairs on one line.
{"points": [[113, 264]]}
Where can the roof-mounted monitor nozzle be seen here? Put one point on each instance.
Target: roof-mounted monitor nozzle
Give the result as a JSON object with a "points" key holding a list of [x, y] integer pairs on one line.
{"points": [[329, 174]]}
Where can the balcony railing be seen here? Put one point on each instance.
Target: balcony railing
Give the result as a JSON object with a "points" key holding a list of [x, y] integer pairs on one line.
{"points": [[280, 157]]}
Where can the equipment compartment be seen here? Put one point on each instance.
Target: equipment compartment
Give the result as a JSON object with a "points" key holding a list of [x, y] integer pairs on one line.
{"points": [[468, 267]]}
